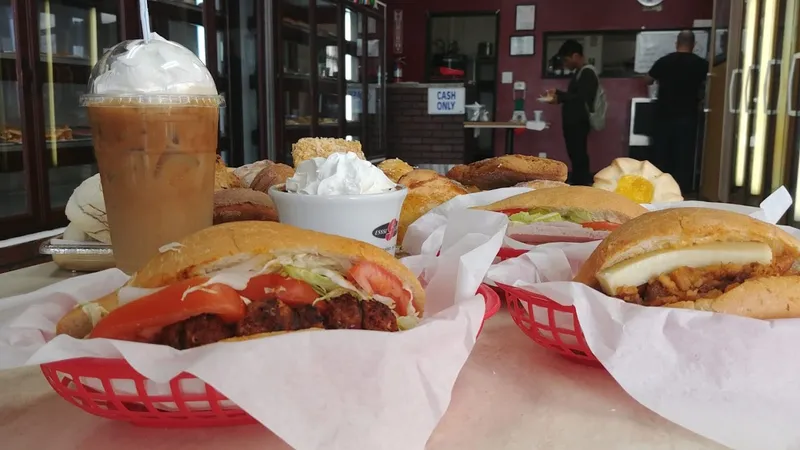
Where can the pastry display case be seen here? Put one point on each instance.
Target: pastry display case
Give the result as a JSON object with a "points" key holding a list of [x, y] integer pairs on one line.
{"points": [[47, 50], [327, 55]]}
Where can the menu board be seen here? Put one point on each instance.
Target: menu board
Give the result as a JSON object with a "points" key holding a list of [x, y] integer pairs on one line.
{"points": [[652, 45]]}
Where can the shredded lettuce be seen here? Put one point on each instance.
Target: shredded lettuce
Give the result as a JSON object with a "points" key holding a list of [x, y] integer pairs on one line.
{"points": [[538, 215], [321, 284]]}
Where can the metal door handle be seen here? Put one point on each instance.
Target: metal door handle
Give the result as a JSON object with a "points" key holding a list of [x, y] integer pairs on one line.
{"points": [[767, 85], [790, 104], [706, 109], [731, 84]]}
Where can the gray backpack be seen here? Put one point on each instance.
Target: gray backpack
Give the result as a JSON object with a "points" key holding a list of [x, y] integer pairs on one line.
{"points": [[597, 117]]}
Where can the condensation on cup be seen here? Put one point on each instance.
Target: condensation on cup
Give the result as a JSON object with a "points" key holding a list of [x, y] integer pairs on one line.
{"points": [[154, 112]]}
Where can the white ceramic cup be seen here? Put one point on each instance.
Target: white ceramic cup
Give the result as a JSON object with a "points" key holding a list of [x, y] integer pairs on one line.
{"points": [[371, 218], [537, 116]]}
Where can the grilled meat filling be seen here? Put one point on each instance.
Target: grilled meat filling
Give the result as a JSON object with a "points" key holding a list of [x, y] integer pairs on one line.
{"points": [[271, 315], [687, 283]]}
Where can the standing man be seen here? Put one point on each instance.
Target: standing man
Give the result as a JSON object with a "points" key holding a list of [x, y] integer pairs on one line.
{"points": [[576, 104], [680, 76]]}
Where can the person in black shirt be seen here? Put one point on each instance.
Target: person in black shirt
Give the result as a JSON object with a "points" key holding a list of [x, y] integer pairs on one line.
{"points": [[576, 103], [680, 76]]}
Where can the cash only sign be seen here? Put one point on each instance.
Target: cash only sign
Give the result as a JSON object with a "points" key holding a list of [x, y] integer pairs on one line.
{"points": [[446, 100]]}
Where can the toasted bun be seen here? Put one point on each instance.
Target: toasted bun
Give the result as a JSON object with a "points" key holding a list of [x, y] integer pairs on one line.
{"points": [[682, 227], [395, 168], [228, 244], [508, 170], [224, 178], [426, 190], [542, 184], [77, 324], [309, 148], [271, 176], [608, 205], [270, 334], [240, 204], [760, 298]]}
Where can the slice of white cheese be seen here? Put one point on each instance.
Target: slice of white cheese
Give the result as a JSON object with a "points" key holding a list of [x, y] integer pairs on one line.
{"points": [[641, 269]]}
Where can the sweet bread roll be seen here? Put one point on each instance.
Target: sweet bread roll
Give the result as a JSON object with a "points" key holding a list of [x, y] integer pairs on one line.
{"points": [[508, 170], [224, 178], [270, 176], [240, 204], [640, 181], [395, 168], [426, 190], [309, 148], [247, 173]]}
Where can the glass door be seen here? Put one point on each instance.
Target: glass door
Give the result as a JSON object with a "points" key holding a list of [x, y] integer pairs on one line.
{"points": [[14, 187], [354, 74], [787, 133], [328, 71], [712, 164], [72, 35], [743, 85], [294, 72], [375, 67]]}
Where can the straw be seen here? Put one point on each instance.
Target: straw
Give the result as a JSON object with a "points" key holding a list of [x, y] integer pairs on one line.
{"points": [[144, 17]]}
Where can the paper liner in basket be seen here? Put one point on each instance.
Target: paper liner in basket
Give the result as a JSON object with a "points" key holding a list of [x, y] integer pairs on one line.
{"points": [[329, 389], [731, 379], [424, 236]]}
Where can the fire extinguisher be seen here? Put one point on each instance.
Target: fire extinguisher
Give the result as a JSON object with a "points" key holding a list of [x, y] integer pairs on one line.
{"points": [[399, 62]]}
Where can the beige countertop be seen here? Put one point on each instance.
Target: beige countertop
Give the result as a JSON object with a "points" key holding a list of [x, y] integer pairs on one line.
{"points": [[512, 394]]}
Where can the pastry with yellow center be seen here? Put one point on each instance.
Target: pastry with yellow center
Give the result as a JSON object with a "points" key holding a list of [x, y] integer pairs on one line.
{"points": [[640, 181]]}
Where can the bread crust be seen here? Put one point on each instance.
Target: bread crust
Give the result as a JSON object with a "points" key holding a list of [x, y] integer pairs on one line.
{"points": [[682, 227], [426, 190], [541, 184], [395, 168], [309, 148], [609, 205], [760, 298], [270, 176], [508, 170], [200, 252]]}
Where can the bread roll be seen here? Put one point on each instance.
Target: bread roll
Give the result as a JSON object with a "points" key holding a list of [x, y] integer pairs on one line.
{"points": [[236, 205], [508, 170], [308, 148], [270, 176], [395, 168], [426, 190]]}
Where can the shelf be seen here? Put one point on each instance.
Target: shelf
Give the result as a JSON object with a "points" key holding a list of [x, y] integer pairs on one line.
{"points": [[73, 152], [301, 34]]}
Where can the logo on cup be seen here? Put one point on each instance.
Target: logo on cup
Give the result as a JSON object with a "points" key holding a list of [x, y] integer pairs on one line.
{"points": [[386, 231]]}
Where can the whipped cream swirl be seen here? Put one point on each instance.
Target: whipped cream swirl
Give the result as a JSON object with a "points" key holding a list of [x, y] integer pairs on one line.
{"points": [[156, 67], [338, 174]]}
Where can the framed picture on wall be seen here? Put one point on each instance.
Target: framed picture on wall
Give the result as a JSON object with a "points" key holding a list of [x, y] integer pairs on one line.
{"points": [[521, 46], [526, 18]]}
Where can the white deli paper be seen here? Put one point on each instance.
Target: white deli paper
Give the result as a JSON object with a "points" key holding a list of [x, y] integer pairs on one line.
{"points": [[424, 236], [331, 389], [731, 379]]}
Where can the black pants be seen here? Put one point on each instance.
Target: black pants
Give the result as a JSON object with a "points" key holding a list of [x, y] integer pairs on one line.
{"points": [[674, 149], [575, 138]]}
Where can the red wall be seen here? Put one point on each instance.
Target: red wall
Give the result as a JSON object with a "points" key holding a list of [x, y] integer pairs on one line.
{"points": [[551, 15]]}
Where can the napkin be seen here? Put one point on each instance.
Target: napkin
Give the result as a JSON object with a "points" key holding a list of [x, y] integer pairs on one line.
{"points": [[331, 389], [731, 379], [424, 236]]}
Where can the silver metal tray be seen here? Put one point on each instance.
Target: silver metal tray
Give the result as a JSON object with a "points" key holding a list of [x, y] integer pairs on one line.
{"points": [[58, 246]]}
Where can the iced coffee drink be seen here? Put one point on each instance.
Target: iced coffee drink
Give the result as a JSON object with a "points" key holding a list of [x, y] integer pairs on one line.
{"points": [[154, 112]]}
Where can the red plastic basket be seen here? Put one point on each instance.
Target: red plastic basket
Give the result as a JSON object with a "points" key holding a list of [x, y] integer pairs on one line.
{"points": [[548, 323], [111, 388], [509, 253]]}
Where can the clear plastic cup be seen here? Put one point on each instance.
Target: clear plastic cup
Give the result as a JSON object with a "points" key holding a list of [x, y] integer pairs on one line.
{"points": [[154, 112]]}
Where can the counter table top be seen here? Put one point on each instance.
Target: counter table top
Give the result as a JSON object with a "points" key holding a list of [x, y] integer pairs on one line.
{"points": [[511, 394]]}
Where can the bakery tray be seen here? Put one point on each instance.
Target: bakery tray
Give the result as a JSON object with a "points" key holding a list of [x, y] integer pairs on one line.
{"points": [[78, 256], [58, 246]]}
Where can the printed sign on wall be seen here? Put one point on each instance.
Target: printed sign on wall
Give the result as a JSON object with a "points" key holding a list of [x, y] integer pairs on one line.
{"points": [[398, 31], [446, 101]]}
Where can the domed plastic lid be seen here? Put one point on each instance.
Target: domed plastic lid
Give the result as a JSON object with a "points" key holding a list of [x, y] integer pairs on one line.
{"points": [[158, 71]]}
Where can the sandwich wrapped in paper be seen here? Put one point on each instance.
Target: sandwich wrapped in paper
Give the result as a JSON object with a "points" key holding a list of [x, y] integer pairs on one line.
{"points": [[325, 389], [700, 326]]}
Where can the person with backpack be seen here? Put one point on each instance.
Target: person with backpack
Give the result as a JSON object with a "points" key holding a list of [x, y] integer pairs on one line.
{"points": [[583, 108]]}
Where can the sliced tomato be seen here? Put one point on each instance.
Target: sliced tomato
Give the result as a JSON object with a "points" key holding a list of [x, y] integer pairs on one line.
{"points": [[601, 226], [513, 211], [140, 320], [376, 280], [292, 292]]}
